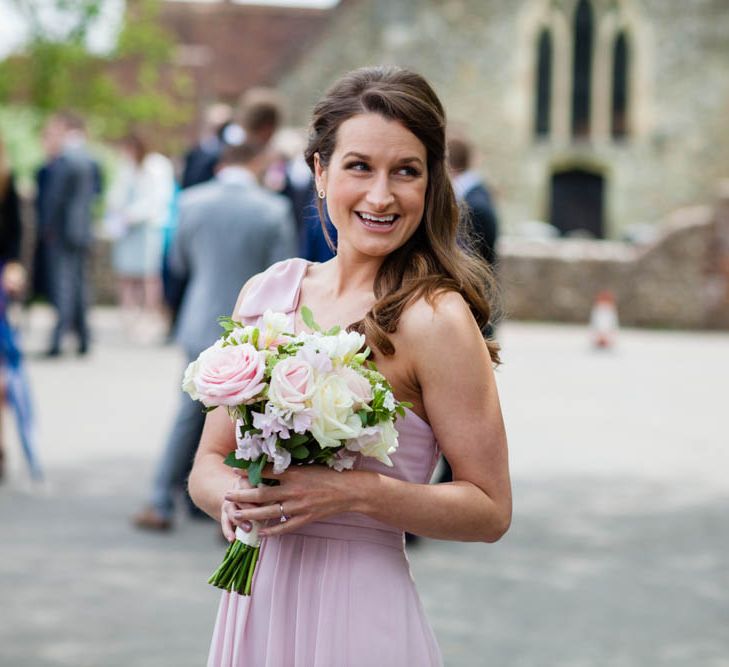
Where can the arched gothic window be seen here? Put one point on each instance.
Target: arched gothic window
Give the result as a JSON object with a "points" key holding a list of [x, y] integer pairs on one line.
{"points": [[582, 69], [543, 97], [621, 67]]}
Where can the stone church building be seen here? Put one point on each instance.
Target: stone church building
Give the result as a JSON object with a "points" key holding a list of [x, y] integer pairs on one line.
{"points": [[594, 115]]}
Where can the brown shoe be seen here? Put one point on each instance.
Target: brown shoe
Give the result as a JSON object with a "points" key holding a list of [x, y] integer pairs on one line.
{"points": [[150, 519]]}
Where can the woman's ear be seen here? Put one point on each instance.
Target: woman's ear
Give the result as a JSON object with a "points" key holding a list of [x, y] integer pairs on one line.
{"points": [[320, 173]]}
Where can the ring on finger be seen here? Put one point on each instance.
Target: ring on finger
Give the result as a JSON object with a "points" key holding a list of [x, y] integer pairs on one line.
{"points": [[284, 517]]}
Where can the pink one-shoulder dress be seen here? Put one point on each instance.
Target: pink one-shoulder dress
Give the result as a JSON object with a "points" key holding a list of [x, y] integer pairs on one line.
{"points": [[338, 592]]}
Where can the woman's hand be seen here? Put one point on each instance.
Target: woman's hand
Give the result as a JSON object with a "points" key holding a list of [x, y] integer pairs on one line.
{"points": [[230, 511], [306, 494]]}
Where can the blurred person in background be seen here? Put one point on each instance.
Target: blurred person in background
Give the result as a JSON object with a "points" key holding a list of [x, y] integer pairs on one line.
{"points": [[288, 174], [138, 208], [73, 185], [480, 220], [315, 244], [201, 159], [13, 384], [260, 113], [229, 229], [52, 143]]}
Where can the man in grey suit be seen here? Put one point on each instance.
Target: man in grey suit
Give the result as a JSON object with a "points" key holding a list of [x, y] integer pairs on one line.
{"points": [[229, 230], [73, 186]]}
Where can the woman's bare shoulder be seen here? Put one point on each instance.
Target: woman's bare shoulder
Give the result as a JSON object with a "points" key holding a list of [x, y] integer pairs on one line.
{"points": [[446, 312]]}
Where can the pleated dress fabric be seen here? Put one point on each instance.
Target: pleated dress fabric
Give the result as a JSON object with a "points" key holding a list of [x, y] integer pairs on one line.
{"points": [[334, 593]]}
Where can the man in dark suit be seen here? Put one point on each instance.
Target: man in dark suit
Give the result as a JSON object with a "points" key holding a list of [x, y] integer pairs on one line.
{"points": [[73, 185], [230, 229], [482, 225], [201, 159]]}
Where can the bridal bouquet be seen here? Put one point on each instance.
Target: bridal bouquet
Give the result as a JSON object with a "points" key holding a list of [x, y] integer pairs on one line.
{"points": [[295, 399]]}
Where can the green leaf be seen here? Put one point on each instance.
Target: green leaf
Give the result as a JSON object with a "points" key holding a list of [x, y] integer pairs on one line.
{"points": [[300, 453], [295, 440], [233, 462], [400, 410], [254, 337], [363, 414], [334, 330], [406, 404], [308, 318], [255, 469]]}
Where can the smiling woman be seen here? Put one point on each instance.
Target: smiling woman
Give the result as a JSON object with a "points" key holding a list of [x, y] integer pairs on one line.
{"points": [[377, 149], [376, 180]]}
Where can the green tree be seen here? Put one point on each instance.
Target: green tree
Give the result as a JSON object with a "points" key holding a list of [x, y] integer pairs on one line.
{"points": [[58, 71]]}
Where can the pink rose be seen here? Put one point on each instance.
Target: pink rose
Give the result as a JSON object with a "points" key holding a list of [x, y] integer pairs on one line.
{"points": [[359, 386], [292, 383], [229, 375]]}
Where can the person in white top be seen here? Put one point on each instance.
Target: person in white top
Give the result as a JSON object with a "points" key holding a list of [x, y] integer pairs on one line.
{"points": [[138, 206]]}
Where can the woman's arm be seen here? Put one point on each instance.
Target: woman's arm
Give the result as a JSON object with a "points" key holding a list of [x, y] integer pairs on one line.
{"points": [[449, 361], [454, 372]]}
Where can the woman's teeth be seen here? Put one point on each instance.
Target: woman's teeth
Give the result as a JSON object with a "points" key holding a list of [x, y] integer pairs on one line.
{"points": [[377, 221]]}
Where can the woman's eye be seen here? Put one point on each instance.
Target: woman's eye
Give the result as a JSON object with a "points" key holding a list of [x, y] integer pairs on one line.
{"points": [[358, 166], [408, 171]]}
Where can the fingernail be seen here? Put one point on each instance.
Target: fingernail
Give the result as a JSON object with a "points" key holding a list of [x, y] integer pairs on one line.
{"points": [[247, 526]]}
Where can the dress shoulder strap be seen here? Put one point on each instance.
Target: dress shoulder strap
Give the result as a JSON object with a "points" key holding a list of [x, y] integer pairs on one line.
{"points": [[276, 289]]}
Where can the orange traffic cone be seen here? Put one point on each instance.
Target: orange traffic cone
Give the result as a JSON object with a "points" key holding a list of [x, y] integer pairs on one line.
{"points": [[604, 320]]}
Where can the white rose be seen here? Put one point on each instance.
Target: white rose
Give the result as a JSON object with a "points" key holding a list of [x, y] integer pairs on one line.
{"points": [[334, 417], [340, 348], [272, 326], [188, 381], [376, 441]]}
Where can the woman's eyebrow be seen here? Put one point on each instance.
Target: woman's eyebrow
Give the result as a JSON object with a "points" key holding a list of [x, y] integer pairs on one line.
{"points": [[360, 156], [366, 158]]}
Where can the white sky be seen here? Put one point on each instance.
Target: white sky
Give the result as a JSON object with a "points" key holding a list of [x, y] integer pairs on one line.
{"points": [[13, 31]]}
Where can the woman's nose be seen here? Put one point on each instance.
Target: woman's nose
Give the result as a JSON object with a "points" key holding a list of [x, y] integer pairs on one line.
{"points": [[380, 196]]}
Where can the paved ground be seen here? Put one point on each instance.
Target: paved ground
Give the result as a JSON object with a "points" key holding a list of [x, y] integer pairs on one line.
{"points": [[617, 555]]}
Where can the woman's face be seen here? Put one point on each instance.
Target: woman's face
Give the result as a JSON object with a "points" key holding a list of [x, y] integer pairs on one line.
{"points": [[375, 184]]}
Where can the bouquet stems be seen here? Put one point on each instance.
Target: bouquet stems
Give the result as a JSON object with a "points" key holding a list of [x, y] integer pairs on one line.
{"points": [[235, 573]]}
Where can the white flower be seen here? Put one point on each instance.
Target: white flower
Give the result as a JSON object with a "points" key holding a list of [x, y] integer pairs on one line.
{"points": [[272, 326], [240, 335], [281, 457], [342, 460], [334, 417], [188, 381], [389, 402], [340, 348], [376, 441]]}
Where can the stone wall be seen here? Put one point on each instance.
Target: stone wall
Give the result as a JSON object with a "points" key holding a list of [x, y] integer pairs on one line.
{"points": [[680, 280]]}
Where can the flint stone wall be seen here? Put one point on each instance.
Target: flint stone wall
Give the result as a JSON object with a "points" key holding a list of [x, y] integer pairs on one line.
{"points": [[681, 280]]}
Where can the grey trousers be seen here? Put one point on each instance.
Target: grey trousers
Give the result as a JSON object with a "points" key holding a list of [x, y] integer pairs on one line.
{"points": [[175, 464], [70, 294]]}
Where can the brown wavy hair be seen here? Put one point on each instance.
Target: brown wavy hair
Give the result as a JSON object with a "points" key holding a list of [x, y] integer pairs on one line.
{"points": [[432, 261]]}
